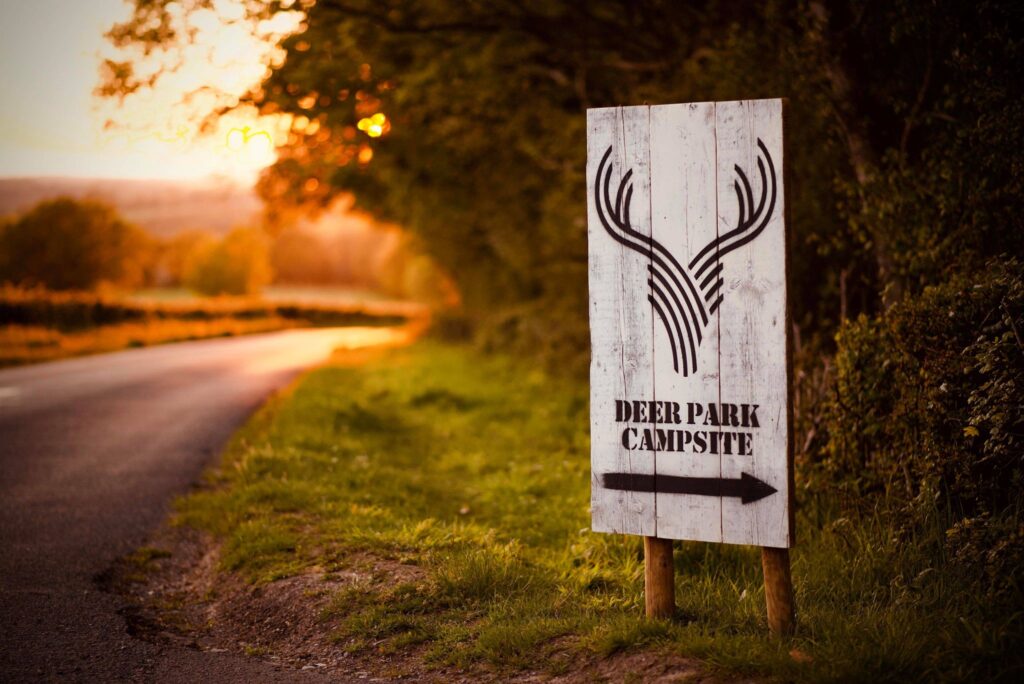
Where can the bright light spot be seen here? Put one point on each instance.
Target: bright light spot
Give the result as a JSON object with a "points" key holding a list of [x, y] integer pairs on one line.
{"points": [[260, 142], [365, 155], [232, 46], [304, 347], [161, 132], [311, 185], [256, 141], [232, 11], [236, 139], [248, 144], [374, 126]]}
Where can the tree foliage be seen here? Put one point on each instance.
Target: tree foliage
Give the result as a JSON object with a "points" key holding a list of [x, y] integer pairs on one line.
{"points": [[66, 244], [239, 264], [899, 115], [926, 412]]}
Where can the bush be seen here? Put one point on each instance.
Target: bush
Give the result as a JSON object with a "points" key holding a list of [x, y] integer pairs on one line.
{"points": [[238, 265], [174, 255], [65, 244], [927, 414], [300, 256]]}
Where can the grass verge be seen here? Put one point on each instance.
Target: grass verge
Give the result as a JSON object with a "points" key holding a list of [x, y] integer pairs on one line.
{"points": [[475, 468]]}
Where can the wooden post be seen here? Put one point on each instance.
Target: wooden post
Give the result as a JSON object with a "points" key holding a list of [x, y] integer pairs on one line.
{"points": [[778, 591], [659, 578]]}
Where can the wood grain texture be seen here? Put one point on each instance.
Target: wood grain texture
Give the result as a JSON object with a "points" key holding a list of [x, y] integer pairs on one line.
{"points": [[778, 591], [683, 195], [688, 307], [622, 363], [753, 320], [659, 578]]}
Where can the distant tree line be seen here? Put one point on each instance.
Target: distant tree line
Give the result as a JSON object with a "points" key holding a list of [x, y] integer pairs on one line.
{"points": [[68, 244], [84, 245]]}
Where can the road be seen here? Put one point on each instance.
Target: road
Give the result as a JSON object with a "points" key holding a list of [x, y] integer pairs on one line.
{"points": [[92, 452]]}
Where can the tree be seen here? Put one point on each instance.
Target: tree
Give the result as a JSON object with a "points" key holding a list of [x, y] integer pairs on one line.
{"points": [[66, 244], [463, 122], [301, 257], [237, 265]]}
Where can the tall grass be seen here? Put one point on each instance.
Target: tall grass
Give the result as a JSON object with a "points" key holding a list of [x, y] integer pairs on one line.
{"points": [[74, 311], [40, 325]]}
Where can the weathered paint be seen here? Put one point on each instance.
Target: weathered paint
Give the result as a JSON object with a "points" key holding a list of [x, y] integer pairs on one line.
{"points": [[689, 370]]}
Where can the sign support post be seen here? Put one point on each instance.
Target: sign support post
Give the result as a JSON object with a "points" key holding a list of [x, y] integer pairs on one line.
{"points": [[659, 578], [778, 591], [690, 372]]}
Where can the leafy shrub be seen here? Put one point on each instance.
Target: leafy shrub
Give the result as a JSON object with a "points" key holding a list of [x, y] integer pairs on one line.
{"points": [[66, 244], [927, 412], [237, 265]]}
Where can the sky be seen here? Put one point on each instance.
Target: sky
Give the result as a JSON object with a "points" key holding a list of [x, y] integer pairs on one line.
{"points": [[51, 124]]}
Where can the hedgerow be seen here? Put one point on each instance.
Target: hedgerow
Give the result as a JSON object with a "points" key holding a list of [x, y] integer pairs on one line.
{"points": [[925, 419]]}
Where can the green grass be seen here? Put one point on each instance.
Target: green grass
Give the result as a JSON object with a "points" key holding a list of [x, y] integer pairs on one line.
{"points": [[475, 469]]}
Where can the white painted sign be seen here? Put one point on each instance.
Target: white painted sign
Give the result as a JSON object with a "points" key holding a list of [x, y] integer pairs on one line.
{"points": [[690, 435]]}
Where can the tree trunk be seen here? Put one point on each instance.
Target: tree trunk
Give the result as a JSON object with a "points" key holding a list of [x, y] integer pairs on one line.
{"points": [[862, 156]]}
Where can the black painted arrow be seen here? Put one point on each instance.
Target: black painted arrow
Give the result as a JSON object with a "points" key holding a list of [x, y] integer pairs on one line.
{"points": [[748, 488]]}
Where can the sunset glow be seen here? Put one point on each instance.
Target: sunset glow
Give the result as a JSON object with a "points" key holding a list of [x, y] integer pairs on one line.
{"points": [[51, 123]]}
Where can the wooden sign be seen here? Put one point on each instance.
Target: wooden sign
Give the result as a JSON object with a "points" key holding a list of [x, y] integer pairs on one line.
{"points": [[690, 417]]}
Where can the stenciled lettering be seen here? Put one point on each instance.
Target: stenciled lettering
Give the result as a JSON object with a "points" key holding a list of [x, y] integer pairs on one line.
{"points": [[687, 441], [707, 416]]}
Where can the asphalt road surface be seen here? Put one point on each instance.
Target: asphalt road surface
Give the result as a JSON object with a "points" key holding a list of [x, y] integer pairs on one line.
{"points": [[92, 452]]}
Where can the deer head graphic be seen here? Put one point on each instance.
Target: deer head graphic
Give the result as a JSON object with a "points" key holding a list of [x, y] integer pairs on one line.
{"points": [[685, 296]]}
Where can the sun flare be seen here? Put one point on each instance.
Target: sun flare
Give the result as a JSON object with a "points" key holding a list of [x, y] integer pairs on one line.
{"points": [[162, 132]]}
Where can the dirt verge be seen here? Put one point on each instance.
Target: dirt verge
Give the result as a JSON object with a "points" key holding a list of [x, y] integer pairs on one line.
{"points": [[177, 594]]}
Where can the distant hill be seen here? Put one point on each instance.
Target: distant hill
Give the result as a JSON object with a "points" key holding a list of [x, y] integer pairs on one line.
{"points": [[162, 207]]}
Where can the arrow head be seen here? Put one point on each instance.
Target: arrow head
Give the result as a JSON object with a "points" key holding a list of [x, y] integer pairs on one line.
{"points": [[753, 489]]}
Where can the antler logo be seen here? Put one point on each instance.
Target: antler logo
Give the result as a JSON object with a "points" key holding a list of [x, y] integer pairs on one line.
{"points": [[679, 302]]}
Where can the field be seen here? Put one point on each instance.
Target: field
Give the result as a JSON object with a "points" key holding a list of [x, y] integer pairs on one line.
{"points": [[434, 501], [290, 294], [37, 325]]}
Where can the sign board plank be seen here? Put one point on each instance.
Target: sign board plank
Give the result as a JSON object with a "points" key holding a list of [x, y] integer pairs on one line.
{"points": [[689, 370], [618, 140], [686, 348], [753, 315]]}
